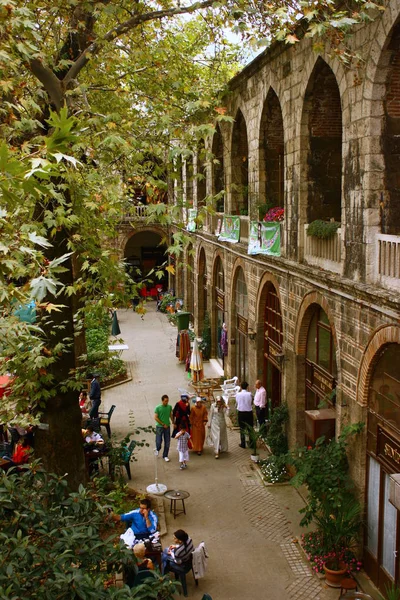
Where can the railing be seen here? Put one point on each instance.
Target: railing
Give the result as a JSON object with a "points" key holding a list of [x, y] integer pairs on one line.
{"points": [[388, 260], [326, 254]]}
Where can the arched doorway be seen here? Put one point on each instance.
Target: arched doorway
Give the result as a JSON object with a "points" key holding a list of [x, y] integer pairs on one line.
{"points": [[189, 305], [273, 340], [202, 288], [321, 378], [145, 251], [382, 536], [241, 325], [219, 308]]}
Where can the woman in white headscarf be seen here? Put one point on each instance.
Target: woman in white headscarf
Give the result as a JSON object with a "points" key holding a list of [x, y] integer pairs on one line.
{"points": [[217, 426]]}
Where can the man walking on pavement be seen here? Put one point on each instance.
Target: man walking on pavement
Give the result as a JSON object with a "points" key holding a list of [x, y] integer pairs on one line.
{"points": [[260, 402], [95, 396], [245, 413], [163, 417]]}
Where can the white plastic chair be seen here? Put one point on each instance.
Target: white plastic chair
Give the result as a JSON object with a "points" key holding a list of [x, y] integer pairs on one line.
{"points": [[229, 384]]}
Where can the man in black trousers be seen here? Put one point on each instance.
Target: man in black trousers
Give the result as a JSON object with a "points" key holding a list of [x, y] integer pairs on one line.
{"points": [[245, 412], [95, 396]]}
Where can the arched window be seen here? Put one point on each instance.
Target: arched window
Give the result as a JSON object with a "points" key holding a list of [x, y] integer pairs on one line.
{"points": [[201, 174], [322, 119], [240, 166], [272, 183], [241, 325], [390, 207], [218, 169], [189, 280], [382, 540]]}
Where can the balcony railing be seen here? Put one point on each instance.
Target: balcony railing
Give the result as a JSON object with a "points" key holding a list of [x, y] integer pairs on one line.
{"points": [[388, 259], [326, 254]]}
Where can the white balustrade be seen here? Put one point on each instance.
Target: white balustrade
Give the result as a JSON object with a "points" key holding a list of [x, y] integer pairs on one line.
{"points": [[388, 259], [326, 254]]}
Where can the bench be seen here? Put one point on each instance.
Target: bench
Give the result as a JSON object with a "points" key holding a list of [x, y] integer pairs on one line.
{"points": [[105, 419]]}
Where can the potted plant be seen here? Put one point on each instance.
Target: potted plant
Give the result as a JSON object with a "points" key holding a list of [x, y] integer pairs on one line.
{"points": [[339, 527], [323, 229], [254, 436]]}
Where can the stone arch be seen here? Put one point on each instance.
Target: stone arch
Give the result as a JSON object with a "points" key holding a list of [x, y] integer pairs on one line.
{"points": [[125, 236], [218, 168], [304, 319], [267, 278], [218, 316], [321, 146], [271, 148], [189, 276], [239, 167], [202, 287], [239, 356], [387, 334]]}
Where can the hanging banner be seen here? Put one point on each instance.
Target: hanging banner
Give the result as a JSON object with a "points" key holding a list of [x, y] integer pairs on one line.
{"points": [[254, 238], [265, 238], [192, 216], [230, 231]]}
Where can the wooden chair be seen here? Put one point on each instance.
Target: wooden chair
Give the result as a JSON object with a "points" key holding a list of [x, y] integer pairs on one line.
{"points": [[105, 419]]}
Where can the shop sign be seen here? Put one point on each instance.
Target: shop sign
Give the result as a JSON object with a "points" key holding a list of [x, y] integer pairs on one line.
{"points": [[321, 382], [220, 300], [273, 352], [242, 324], [388, 449]]}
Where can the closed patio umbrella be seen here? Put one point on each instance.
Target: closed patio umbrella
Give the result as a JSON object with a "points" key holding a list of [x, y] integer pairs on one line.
{"points": [[115, 330], [196, 362]]}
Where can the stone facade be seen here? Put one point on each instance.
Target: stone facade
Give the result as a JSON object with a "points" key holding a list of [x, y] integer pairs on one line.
{"points": [[329, 114]]}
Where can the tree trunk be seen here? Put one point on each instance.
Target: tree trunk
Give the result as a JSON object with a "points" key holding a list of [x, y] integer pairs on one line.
{"points": [[59, 441]]}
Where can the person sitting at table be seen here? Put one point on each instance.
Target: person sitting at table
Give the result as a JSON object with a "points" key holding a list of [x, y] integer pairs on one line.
{"points": [[92, 438], [177, 554], [143, 521], [143, 563], [21, 454], [84, 404]]}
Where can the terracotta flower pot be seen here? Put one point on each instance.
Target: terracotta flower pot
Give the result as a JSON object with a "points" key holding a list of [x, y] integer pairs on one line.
{"points": [[333, 577]]}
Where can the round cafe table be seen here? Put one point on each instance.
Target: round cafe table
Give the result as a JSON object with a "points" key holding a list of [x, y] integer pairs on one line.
{"points": [[177, 496], [205, 387]]}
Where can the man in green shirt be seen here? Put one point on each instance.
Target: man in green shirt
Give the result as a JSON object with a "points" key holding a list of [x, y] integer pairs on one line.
{"points": [[163, 416]]}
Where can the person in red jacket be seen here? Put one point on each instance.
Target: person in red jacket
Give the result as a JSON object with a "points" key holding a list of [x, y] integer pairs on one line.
{"points": [[21, 454]]}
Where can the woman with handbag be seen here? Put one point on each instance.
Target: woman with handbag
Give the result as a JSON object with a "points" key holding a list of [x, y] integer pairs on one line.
{"points": [[181, 414]]}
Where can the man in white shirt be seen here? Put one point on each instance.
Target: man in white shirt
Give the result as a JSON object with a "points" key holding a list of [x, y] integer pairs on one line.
{"points": [[245, 413], [260, 402]]}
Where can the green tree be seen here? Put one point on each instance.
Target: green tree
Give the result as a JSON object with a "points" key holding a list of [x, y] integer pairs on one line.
{"points": [[94, 94]]}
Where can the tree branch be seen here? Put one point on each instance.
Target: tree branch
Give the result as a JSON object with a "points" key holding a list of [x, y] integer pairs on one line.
{"points": [[127, 26], [50, 81]]}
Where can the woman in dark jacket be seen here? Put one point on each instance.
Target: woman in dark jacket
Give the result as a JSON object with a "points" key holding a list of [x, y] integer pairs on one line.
{"points": [[181, 414]]}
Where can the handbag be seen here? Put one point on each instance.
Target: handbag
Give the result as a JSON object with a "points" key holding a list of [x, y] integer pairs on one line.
{"points": [[174, 432]]}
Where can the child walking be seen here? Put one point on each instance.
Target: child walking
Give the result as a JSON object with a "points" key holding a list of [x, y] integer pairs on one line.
{"points": [[183, 446]]}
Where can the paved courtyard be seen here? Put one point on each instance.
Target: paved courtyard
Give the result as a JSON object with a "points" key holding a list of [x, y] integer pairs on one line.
{"points": [[250, 530]]}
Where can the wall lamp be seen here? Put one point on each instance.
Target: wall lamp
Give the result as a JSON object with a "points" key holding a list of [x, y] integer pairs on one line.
{"points": [[252, 335]]}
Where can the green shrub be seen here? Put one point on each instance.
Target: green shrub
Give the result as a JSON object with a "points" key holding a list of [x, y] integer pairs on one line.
{"points": [[167, 299], [205, 344], [276, 437], [323, 229], [60, 544]]}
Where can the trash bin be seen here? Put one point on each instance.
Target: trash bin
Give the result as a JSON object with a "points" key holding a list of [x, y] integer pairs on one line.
{"points": [[182, 320]]}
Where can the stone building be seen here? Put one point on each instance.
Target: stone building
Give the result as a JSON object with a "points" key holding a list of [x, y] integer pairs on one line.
{"points": [[320, 321]]}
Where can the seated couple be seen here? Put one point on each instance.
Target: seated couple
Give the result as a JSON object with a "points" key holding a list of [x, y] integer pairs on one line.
{"points": [[143, 521]]}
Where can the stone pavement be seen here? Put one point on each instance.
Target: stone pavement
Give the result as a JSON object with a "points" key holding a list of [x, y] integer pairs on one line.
{"points": [[250, 530]]}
